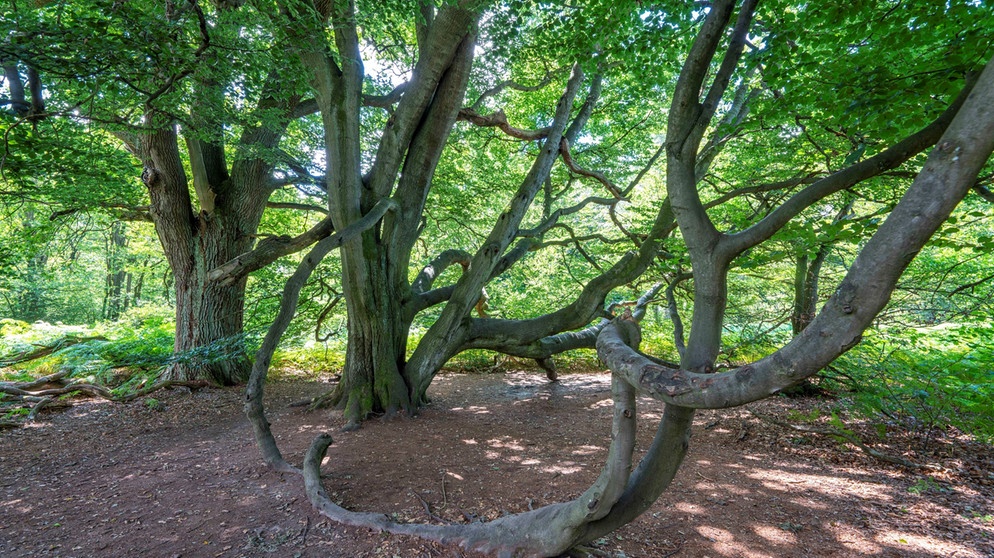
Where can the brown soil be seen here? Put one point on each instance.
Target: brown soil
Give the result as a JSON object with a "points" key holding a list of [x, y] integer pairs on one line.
{"points": [[104, 479]]}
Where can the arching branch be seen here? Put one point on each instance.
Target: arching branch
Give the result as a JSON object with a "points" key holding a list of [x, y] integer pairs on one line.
{"points": [[426, 278], [499, 120], [275, 247]]}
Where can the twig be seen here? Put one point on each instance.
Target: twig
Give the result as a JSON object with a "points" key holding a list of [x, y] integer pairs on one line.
{"points": [[428, 509], [445, 500], [305, 530]]}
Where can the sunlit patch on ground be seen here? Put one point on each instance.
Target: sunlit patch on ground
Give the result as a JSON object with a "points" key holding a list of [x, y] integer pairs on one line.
{"points": [[479, 451]]}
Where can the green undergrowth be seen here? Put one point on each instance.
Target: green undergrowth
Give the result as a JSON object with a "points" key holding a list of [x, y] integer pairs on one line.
{"points": [[121, 355], [923, 380]]}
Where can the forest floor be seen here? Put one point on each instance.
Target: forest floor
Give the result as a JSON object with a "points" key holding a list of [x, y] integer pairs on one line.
{"points": [[180, 476]]}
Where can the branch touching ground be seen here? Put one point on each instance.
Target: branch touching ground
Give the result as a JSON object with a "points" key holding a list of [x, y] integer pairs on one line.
{"points": [[26, 392]]}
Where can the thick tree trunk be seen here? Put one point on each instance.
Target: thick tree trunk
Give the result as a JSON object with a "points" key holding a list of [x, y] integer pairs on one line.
{"points": [[208, 313], [373, 378]]}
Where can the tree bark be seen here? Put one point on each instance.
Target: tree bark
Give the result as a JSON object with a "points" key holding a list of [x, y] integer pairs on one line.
{"points": [[375, 264], [209, 315]]}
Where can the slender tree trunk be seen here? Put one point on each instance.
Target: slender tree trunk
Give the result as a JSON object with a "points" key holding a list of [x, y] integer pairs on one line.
{"points": [[806, 275], [115, 297]]}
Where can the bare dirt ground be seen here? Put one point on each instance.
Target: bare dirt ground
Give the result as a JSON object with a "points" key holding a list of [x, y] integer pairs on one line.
{"points": [[104, 479]]}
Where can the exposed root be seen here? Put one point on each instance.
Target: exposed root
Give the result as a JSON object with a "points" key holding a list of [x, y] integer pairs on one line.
{"points": [[327, 400], [27, 392]]}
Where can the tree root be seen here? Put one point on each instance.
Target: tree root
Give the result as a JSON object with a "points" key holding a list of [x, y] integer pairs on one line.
{"points": [[27, 392]]}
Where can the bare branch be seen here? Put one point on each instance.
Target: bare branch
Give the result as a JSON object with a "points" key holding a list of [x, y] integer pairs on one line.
{"points": [[385, 101], [674, 311], [499, 120], [298, 206], [949, 173], [762, 188], [511, 84], [568, 160], [886, 160], [423, 282]]}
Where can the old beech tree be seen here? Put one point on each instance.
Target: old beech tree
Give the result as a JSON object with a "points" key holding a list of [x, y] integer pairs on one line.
{"points": [[377, 209], [753, 116], [201, 104]]}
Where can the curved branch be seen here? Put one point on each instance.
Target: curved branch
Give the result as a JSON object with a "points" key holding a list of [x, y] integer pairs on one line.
{"points": [[949, 173], [674, 312], [298, 206], [571, 165], [618, 495], [499, 120], [254, 408], [426, 278], [886, 160], [438, 295], [553, 219], [574, 239], [275, 247], [385, 101], [762, 188], [543, 336], [511, 84], [547, 531]]}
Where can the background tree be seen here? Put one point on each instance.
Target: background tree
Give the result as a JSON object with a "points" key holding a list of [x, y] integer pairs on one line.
{"points": [[201, 97]]}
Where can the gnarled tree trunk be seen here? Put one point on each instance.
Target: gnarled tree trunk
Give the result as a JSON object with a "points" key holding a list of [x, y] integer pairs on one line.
{"points": [[373, 380], [195, 243]]}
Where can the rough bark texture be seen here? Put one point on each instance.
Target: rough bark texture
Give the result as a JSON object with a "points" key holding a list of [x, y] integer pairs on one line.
{"points": [[375, 264], [948, 175], [202, 232], [381, 301], [194, 244]]}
